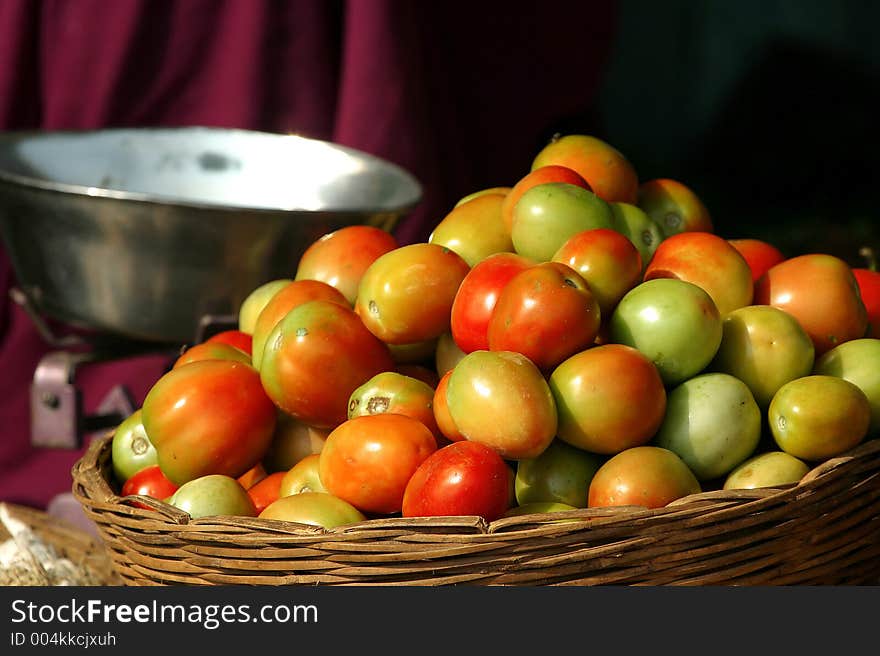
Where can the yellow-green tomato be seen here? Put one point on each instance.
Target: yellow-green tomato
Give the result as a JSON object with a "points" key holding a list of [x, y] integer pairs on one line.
{"points": [[314, 508], [214, 494], [674, 322], [818, 417], [131, 449], [474, 229], [548, 214], [765, 347], [561, 474], [501, 398], [633, 222], [304, 476], [768, 469], [254, 303], [712, 422], [857, 361]]}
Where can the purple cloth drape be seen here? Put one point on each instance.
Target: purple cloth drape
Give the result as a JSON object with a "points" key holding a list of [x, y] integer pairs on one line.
{"points": [[459, 93]]}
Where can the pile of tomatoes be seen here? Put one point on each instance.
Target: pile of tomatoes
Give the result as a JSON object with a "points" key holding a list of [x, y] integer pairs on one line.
{"points": [[578, 339]]}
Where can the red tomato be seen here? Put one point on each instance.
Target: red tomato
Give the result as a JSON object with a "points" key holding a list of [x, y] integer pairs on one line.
{"points": [[760, 255], [237, 338], [340, 258], [406, 295], [546, 312], [648, 476], [869, 288], [367, 461], [821, 292], [476, 298], [209, 417], [315, 357], [540, 175], [464, 478], [149, 482], [708, 261], [211, 351], [266, 490], [607, 260]]}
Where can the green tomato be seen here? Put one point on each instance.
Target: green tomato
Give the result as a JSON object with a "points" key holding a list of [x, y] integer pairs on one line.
{"points": [[765, 347], [633, 222], [538, 507], [712, 422], [673, 322], [314, 508], [818, 417], [561, 474], [548, 214], [214, 494], [131, 449], [769, 469], [857, 361]]}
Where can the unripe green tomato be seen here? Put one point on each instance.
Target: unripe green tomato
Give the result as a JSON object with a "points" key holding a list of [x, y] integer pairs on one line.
{"points": [[561, 474], [712, 422], [818, 417], [769, 469], [857, 361], [214, 494], [131, 449]]}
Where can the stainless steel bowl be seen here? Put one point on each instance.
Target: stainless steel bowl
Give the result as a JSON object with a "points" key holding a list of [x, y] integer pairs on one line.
{"points": [[140, 233]]}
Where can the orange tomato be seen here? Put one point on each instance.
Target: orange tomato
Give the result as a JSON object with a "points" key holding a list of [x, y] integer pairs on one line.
{"points": [[821, 292], [760, 255], [708, 261], [367, 461], [266, 490], [610, 175]]}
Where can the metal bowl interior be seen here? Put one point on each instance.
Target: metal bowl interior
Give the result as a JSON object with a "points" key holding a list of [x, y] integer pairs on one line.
{"points": [[142, 232]]}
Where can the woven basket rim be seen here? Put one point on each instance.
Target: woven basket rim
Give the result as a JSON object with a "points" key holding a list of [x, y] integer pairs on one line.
{"points": [[92, 490]]}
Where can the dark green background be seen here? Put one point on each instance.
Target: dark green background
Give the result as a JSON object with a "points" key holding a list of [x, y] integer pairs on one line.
{"points": [[768, 109]]}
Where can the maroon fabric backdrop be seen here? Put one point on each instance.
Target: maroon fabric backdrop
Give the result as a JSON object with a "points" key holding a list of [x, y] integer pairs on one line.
{"points": [[460, 93]]}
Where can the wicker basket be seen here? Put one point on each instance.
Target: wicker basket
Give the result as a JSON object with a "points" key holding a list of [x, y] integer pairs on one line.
{"points": [[824, 530]]}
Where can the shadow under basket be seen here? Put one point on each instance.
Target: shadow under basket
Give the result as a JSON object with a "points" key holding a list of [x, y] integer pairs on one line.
{"points": [[823, 531]]}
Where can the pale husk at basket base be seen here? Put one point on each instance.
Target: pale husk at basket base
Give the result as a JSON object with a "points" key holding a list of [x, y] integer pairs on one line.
{"points": [[823, 531]]}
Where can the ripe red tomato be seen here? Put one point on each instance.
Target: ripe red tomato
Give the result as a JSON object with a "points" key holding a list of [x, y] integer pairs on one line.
{"points": [[237, 338], [367, 461], [648, 476], [340, 258], [149, 482], [406, 295], [869, 288], [209, 417], [708, 261], [463, 478], [821, 292], [546, 312], [315, 357], [760, 255], [476, 298]]}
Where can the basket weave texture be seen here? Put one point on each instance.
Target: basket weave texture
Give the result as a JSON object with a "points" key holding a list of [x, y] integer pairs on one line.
{"points": [[824, 530]]}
